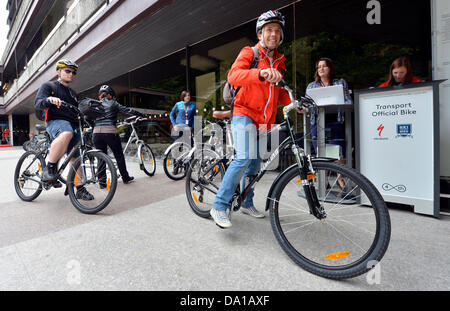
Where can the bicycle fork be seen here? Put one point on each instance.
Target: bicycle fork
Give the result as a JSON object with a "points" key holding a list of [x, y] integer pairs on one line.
{"points": [[307, 174]]}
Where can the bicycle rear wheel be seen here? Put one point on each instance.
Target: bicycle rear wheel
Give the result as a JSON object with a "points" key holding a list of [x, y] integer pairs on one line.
{"points": [[350, 240], [148, 161], [203, 178], [27, 176], [173, 162], [93, 193]]}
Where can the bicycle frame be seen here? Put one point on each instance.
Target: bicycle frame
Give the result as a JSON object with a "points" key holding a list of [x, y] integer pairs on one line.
{"points": [[304, 164], [134, 138], [81, 146]]}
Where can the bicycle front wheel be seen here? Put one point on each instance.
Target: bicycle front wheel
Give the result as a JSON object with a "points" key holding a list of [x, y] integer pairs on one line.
{"points": [[147, 158], [173, 162], [27, 176], [203, 178], [92, 182], [351, 238]]}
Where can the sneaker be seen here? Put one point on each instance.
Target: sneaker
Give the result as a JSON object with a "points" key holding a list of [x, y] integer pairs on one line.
{"points": [[221, 218], [56, 184], [48, 174], [83, 194], [128, 180], [252, 211]]}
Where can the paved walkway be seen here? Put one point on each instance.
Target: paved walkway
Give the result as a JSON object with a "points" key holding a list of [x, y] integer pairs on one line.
{"points": [[148, 239]]}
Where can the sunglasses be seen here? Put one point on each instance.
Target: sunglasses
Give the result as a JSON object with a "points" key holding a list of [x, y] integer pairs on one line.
{"points": [[70, 72]]}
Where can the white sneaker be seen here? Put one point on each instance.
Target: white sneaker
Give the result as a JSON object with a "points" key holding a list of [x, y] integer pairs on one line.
{"points": [[252, 211], [221, 218]]}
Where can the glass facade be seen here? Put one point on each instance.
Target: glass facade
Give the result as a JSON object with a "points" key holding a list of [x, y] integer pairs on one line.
{"points": [[361, 40]]}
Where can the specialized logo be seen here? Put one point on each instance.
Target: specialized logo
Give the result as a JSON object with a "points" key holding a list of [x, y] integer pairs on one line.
{"points": [[404, 130], [380, 129]]}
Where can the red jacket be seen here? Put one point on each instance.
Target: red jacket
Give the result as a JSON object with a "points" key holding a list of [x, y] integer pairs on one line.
{"points": [[257, 98], [413, 80]]}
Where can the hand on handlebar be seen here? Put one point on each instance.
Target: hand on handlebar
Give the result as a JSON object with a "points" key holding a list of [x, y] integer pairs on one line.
{"points": [[54, 101], [271, 75]]}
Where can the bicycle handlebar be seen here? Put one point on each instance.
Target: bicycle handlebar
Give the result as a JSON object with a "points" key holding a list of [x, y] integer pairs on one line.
{"points": [[134, 120], [305, 102], [67, 105]]}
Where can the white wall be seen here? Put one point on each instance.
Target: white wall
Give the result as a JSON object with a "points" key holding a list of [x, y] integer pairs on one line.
{"points": [[441, 70]]}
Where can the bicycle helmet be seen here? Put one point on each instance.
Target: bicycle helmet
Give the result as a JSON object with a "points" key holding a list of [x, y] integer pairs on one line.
{"points": [[268, 18], [107, 89], [65, 63]]}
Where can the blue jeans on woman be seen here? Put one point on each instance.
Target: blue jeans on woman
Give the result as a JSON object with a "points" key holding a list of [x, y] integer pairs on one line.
{"points": [[246, 162]]}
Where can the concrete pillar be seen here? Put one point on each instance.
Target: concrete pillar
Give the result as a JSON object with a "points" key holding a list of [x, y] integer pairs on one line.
{"points": [[11, 129]]}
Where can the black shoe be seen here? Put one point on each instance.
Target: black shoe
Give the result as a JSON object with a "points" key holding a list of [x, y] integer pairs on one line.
{"points": [[83, 194], [66, 192], [48, 175], [57, 184], [128, 180]]}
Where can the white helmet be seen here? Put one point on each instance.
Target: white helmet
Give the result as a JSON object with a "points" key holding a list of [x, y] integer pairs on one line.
{"points": [[268, 18]]}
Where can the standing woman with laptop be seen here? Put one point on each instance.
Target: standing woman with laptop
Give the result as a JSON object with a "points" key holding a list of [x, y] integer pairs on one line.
{"points": [[324, 77]]}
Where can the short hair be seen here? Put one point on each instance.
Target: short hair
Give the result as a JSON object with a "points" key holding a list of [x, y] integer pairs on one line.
{"points": [[183, 94]]}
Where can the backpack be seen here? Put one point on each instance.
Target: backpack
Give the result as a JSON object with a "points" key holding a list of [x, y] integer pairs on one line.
{"points": [[91, 108], [41, 114], [229, 92]]}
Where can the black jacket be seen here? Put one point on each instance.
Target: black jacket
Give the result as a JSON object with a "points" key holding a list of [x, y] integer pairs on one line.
{"points": [[56, 89], [112, 109]]}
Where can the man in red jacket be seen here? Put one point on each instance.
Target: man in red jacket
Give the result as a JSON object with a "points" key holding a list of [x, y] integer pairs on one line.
{"points": [[255, 106]]}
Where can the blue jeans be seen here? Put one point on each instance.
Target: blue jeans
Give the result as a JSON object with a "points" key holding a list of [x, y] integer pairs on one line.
{"points": [[245, 163]]}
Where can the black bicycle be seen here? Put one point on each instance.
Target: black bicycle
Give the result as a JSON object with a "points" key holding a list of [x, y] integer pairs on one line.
{"points": [[91, 181], [329, 218], [39, 141]]}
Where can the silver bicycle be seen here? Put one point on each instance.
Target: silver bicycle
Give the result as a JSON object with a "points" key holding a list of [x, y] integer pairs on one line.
{"points": [[178, 155], [138, 149]]}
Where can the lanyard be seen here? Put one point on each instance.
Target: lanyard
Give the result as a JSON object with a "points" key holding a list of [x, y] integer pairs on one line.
{"points": [[186, 110]]}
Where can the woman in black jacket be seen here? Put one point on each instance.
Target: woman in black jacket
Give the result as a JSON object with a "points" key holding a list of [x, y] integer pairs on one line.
{"points": [[105, 130]]}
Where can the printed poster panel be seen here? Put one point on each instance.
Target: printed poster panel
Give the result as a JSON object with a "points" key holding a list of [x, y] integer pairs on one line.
{"points": [[396, 145]]}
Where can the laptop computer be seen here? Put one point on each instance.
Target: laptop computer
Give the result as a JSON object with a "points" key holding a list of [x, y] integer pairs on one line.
{"points": [[327, 96]]}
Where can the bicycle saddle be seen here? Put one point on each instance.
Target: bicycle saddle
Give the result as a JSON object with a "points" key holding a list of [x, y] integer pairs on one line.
{"points": [[41, 127]]}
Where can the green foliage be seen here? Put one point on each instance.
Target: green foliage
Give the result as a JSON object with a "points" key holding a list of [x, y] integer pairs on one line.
{"points": [[361, 64], [173, 85]]}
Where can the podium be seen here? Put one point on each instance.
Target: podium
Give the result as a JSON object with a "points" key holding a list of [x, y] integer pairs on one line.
{"points": [[397, 143], [321, 139]]}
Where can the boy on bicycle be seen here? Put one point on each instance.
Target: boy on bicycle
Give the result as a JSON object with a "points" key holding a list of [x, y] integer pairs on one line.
{"points": [[61, 121], [255, 105]]}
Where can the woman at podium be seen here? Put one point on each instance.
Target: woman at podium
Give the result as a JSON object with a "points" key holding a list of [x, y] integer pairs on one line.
{"points": [[400, 73], [334, 123]]}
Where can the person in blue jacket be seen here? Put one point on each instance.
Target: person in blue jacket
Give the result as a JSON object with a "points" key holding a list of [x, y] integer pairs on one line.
{"points": [[182, 115]]}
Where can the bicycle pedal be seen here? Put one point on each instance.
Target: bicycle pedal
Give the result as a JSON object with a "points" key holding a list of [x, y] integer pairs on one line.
{"points": [[57, 184], [47, 185]]}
